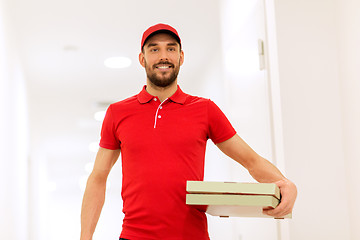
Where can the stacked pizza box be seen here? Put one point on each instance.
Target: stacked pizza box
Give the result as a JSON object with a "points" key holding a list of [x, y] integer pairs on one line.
{"points": [[234, 199]]}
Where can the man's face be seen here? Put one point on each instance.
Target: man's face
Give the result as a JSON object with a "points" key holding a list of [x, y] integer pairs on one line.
{"points": [[161, 58]]}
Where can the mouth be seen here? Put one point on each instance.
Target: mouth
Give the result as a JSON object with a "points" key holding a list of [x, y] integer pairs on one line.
{"points": [[164, 67]]}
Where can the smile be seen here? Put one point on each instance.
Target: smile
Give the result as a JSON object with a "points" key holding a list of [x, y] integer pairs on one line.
{"points": [[163, 66]]}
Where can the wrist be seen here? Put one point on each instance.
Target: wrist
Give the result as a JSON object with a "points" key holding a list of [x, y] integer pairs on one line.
{"points": [[85, 236]]}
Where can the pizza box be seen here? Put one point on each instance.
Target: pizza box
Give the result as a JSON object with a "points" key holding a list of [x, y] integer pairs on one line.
{"points": [[202, 187], [226, 199]]}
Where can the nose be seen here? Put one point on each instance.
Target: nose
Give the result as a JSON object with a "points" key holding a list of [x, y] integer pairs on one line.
{"points": [[163, 56]]}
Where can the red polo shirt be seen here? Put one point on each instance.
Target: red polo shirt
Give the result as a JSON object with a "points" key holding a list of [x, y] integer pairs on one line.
{"points": [[162, 146]]}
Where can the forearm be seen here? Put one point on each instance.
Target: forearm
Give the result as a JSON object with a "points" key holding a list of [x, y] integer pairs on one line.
{"points": [[260, 169], [92, 204], [264, 171]]}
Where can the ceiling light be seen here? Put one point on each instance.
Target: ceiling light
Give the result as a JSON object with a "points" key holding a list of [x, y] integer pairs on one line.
{"points": [[117, 62], [99, 116], [94, 147]]}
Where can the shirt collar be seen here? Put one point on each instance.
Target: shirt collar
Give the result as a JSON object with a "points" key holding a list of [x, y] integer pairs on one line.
{"points": [[179, 96], [144, 96]]}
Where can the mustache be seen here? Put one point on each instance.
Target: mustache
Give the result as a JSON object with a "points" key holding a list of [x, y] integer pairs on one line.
{"points": [[164, 63]]}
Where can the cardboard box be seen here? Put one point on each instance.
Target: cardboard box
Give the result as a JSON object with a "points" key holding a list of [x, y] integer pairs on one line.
{"points": [[230, 199]]}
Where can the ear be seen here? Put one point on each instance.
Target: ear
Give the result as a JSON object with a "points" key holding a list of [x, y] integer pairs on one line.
{"points": [[181, 57], [142, 59]]}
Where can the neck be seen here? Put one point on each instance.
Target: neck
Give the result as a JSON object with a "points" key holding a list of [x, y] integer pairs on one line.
{"points": [[161, 92]]}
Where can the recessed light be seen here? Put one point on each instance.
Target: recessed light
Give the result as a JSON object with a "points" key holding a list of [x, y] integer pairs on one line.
{"points": [[94, 147], [117, 62], [99, 116]]}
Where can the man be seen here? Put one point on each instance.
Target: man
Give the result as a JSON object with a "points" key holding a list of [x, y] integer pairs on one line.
{"points": [[162, 134]]}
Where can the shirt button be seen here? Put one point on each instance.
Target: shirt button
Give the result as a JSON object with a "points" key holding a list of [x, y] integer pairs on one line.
{"points": [[160, 107], [155, 99], [159, 116]]}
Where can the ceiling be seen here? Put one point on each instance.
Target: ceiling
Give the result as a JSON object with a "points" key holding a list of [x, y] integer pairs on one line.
{"points": [[62, 45]]}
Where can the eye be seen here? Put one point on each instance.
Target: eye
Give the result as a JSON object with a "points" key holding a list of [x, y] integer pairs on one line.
{"points": [[171, 49], [154, 50]]}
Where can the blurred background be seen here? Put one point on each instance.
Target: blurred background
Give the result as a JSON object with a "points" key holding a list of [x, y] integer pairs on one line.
{"points": [[285, 72]]}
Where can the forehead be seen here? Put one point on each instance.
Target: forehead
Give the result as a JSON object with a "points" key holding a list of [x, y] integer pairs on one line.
{"points": [[161, 38]]}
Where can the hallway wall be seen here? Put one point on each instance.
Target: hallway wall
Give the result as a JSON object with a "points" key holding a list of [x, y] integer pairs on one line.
{"points": [[319, 90], [348, 37], [13, 137]]}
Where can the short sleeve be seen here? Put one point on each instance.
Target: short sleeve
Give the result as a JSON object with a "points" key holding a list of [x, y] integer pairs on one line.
{"points": [[108, 132], [220, 128]]}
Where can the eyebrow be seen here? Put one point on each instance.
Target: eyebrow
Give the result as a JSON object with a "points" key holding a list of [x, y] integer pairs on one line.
{"points": [[156, 44]]}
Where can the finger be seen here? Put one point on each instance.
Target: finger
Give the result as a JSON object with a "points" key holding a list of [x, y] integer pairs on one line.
{"points": [[278, 212], [267, 208], [281, 210], [274, 213]]}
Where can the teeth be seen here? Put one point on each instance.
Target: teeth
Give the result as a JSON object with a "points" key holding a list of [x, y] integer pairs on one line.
{"points": [[163, 67]]}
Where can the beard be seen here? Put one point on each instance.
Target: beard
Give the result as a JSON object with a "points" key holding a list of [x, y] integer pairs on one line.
{"points": [[160, 79]]}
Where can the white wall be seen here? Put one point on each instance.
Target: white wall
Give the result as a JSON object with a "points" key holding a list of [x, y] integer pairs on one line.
{"points": [[235, 82], [319, 88], [348, 20], [13, 138]]}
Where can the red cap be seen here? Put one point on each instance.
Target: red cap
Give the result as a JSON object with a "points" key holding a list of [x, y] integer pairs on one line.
{"points": [[159, 28]]}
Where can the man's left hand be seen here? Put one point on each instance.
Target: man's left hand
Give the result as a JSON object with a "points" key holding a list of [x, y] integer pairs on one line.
{"points": [[288, 193]]}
